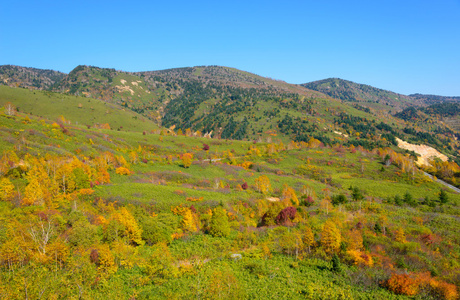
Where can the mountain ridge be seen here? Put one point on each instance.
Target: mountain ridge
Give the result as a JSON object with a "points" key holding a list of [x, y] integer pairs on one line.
{"points": [[234, 104], [262, 79]]}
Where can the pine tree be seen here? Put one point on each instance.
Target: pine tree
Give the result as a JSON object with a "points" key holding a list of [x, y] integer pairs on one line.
{"points": [[336, 267], [443, 198]]}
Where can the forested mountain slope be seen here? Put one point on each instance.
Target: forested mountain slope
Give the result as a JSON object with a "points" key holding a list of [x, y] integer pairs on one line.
{"points": [[368, 96], [16, 76]]}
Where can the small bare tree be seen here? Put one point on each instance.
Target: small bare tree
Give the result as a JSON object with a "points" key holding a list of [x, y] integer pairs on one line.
{"points": [[41, 234], [10, 109]]}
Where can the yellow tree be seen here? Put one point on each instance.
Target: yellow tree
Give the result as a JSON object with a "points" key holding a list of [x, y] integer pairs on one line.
{"points": [[326, 205], [400, 236], [65, 178], [133, 157], [291, 242], [121, 161], [102, 175], [190, 221], [263, 184], [6, 189], [131, 229], [331, 237], [104, 260], [288, 196], [33, 194], [308, 238], [9, 159], [187, 159], [355, 240]]}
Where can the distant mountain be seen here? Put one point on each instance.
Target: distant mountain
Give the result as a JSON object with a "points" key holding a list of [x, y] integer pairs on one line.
{"points": [[218, 99], [16, 76], [432, 99], [366, 95], [234, 104], [447, 112]]}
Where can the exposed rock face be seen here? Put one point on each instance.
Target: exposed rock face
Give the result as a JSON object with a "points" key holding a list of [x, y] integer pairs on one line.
{"points": [[426, 152]]}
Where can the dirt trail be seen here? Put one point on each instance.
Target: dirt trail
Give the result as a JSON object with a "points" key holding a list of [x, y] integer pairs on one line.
{"points": [[444, 183]]}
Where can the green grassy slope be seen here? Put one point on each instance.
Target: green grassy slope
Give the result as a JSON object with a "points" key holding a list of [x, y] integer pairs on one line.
{"points": [[196, 263], [77, 110]]}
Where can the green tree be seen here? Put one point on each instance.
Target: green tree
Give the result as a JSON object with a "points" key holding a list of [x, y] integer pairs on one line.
{"points": [[409, 199], [356, 194], [339, 199], [219, 225], [443, 197], [336, 267], [155, 231]]}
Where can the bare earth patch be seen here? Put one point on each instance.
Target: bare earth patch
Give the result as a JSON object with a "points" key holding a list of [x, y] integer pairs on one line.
{"points": [[426, 152], [339, 133], [122, 89], [273, 199]]}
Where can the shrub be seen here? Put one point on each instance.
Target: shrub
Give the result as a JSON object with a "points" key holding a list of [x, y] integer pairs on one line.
{"points": [[339, 199], [286, 215], [187, 159], [403, 284], [122, 171], [219, 225]]}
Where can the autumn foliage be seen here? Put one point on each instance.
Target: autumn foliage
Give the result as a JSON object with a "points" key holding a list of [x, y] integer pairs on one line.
{"points": [[187, 159]]}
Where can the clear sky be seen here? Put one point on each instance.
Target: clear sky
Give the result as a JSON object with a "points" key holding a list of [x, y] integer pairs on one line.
{"points": [[406, 46]]}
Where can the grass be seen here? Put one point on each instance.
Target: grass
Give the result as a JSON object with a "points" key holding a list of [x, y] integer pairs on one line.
{"points": [[93, 111]]}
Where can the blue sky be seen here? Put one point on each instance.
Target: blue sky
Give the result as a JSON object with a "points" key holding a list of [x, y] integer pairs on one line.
{"points": [[402, 46]]}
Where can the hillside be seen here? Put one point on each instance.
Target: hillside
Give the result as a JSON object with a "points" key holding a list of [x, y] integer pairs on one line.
{"points": [[223, 101], [433, 99], [368, 96], [197, 91], [15, 76], [95, 213], [74, 109], [231, 104], [445, 114]]}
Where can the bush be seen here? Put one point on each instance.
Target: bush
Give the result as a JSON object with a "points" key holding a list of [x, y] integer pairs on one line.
{"points": [[339, 199], [286, 215], [219, 225], [122, 171]]}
